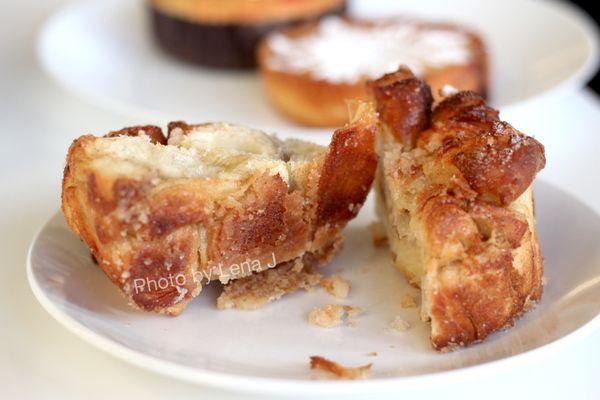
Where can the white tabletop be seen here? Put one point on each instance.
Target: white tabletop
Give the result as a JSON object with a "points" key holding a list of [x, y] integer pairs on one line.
{"points": [[38, 120]]}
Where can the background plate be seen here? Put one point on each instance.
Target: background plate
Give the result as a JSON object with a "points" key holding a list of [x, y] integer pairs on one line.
{"points": [[267, 350], [103, 50]]}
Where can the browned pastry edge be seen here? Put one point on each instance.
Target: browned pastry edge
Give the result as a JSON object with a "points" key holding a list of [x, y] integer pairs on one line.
{"points": [[221, 44], [138, 231], [496, 160], [155, 133], [464, 181], [339, 371], [312, 102]]}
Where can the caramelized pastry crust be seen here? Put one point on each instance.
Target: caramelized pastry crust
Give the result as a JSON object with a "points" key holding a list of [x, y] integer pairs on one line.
{"points": [[218, 202], [454, 193]]}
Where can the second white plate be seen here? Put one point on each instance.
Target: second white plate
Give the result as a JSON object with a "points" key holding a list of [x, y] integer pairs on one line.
{"points": [[103, 50]]}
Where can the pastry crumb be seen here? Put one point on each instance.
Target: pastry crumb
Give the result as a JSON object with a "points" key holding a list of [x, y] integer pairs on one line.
{"points": [[408, 301], [372, 354], [378, 234], [328, 316], [399, 325], [336, 286], [259, 289], [339, 371], [353, 311], [332, 315], [450, 348]]}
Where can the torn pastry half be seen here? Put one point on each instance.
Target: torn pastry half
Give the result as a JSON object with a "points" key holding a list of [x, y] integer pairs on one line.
{"points": [[165, 215], [454, 193]]}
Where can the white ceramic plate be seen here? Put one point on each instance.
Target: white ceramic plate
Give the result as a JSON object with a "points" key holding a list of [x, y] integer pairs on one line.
{"points": [[103, 50], [267, 350]]}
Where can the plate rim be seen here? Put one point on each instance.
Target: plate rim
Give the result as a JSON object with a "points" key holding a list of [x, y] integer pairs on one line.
{"points": [[257, 385], [577, 80], [586, 71]]}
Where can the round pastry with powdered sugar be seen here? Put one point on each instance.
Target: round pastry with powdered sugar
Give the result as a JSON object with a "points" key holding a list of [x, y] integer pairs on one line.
{"points": [[311, 70]]}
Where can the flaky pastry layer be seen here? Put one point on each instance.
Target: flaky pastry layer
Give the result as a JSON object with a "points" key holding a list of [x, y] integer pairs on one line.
{"points": [[454, 192], [212, 202]]}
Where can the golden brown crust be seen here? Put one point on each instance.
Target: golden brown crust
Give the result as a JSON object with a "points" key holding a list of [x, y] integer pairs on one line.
{"points": [[496, 160], [465, 188], [312, 102], [403, 103], [144, 230], [348, 170], [339, 371], [114, 218], [155, 133]]}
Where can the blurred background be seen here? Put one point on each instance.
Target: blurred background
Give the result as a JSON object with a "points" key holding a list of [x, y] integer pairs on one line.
{"points": [[592, 11], [121, 54]]}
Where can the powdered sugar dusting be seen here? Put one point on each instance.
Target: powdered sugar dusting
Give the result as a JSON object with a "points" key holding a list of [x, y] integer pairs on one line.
{"points": [[340, 51]]}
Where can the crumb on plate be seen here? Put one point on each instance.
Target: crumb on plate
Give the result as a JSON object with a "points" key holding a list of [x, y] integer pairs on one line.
{"points": [[331, 315], [336, 286], [398, 324], [339, 371], [378, 234], [408, 301]]}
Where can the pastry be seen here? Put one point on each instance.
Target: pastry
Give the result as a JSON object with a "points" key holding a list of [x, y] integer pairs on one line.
{"points": [[309, 71], [224, 33], [164, 216], [454, 193], [339, 371]]}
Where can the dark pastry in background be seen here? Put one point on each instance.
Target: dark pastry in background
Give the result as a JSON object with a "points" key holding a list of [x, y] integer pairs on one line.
{"points": [[225, 33]]}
